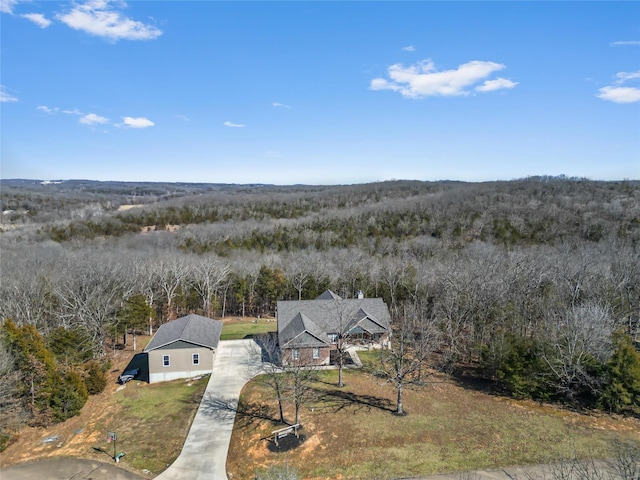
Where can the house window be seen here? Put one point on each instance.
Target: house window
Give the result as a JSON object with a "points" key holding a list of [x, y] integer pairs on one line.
{"points": [[333, 337], [295, 354], [165, 360], [196, 359], [316, 353]]}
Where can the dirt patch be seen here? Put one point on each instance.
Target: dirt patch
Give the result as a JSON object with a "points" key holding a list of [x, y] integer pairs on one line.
{"points": [[154, 228], [76, 436], [124, 208]]}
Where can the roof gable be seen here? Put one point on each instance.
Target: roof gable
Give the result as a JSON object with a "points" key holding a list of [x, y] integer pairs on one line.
{"points": [[305, 339], [328, 295], [195, 329], [366, 321], [368, 325], [331, 315], [301, 324]]}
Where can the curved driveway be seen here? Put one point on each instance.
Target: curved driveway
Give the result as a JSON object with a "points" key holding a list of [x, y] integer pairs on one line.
{"points": [[204, 454]]}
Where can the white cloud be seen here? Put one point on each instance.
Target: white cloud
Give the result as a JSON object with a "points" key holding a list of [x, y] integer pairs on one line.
{"points": [[497, 84], [6, 96], [96, 17], [54, 110], [45, 109], [633, 43], [37, 18], [234, 125], [92, 119], [409, 48], [280, 105], [75, 111], [137, 122], [423, 79], [6, 6], [620, 94], [625, 76]]}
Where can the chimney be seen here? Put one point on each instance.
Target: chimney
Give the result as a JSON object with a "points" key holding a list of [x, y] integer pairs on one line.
{"points": [[360, 294]]}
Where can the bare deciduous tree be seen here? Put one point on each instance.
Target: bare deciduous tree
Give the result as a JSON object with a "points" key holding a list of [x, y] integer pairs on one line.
{"points": [[582, 335], [413, 339], [301, 378], [207, 277], [274, 375], [171, 274]]}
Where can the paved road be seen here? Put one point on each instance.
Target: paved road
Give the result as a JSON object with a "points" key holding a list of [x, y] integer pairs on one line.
{"points": [[66, 469], [204, 454]]}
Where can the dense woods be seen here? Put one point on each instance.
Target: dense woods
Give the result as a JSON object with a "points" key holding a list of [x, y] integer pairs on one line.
{"points": [[531, 284]]}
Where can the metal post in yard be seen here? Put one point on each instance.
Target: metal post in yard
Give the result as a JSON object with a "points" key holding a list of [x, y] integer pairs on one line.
{"points": [[113, 438]]}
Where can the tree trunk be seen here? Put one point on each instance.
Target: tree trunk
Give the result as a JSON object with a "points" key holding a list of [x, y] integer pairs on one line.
{"points": [[399, 409], [280, 409], [224, 304]]}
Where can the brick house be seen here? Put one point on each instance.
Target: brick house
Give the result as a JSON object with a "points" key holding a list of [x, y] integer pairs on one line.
{"points": [[308, 330]]}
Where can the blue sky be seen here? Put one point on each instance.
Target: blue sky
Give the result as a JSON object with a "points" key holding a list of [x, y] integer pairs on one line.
{"points": [[319, 92]]}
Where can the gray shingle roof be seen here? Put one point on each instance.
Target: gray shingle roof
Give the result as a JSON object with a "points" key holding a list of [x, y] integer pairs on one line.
{"points": [[329, 314], [328, 295], [301, 331], [194, 329]]}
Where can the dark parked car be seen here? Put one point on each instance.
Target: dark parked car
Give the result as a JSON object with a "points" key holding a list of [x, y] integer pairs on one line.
{"points": [[128, 375]]}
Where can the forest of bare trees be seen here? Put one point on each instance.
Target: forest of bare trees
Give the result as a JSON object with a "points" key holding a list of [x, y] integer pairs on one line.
{"points": [[535, 282]]}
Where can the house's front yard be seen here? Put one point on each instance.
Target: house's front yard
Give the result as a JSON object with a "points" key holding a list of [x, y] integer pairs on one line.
{"points": [[352, 432]]}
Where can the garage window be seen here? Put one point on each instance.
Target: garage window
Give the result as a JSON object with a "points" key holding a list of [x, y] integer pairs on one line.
{"points": [[196, 359], [165, 360], [316, 353]]}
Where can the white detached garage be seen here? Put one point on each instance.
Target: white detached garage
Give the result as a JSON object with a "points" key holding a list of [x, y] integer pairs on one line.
{"points": [[183, 348]]}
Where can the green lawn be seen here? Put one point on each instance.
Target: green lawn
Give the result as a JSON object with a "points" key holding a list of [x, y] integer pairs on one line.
{"points": [[153, 421], [246, 329]]}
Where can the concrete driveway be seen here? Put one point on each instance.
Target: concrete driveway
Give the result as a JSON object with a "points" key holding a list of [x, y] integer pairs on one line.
{"points": [[204, 454]]}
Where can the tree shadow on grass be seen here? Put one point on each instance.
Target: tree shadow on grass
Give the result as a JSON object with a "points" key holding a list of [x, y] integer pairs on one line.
{"points": [[470, 378], [340, 400], [245, 414], [249, 414]]}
